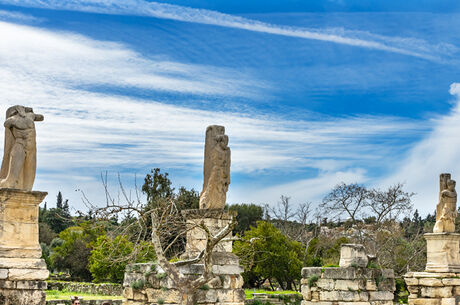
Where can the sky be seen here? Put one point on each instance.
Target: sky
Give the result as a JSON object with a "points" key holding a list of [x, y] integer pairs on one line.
{"points": [[311, 93]]}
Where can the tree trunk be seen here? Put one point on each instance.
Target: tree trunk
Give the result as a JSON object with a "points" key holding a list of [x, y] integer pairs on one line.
{"points": [[188, 297]]}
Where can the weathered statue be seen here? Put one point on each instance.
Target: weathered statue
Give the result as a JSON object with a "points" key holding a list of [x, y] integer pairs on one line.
{"points": [[216, 170], [20, 151], [446, 210]]}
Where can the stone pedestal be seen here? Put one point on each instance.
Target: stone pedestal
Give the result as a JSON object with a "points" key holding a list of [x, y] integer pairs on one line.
{"points": [[22, 271], [442, 252], [215, 220], [148, 284], [350, 285], [433, 288]]}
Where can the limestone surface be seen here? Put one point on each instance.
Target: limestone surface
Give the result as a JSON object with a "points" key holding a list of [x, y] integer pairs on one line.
{"points": [[20, 149], [353, 255], [216, 169], [446, 209]]}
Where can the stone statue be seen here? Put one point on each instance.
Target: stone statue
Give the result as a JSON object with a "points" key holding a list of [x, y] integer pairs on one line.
{"points": [[216, 171], [20, 150], [446, 210]]}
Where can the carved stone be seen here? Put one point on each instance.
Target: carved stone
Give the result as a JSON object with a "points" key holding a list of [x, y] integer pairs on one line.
{"points": [[446, 209], [216, 170], [353, 255], [19, 158], [442, 252], [22, 271]]}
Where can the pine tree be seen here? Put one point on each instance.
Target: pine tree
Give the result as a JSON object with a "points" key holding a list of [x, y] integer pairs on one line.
{"points": [[59, 201]]}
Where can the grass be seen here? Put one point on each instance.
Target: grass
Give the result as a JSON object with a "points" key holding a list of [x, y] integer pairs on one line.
{"points": [[61, 295], [249, 292]]}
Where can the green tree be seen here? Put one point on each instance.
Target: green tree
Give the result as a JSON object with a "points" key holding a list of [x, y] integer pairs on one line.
{"points": [[157, 186], [75, 249], [109, 257], [187, 199], [247, 216], [266, 253]]}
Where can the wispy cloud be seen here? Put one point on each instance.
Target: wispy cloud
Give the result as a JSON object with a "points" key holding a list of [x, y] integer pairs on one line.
{"points": [[17, 17], [438, 152], [401, 45], [85, 132]]}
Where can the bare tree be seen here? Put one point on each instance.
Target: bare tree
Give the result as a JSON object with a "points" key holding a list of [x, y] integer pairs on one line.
{"points": [[166, 226], [347, 200], [390, 203]]}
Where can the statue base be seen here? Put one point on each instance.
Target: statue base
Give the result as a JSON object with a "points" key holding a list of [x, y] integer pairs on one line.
{"points": [[22, 271], [215, 220], [442, 252]]}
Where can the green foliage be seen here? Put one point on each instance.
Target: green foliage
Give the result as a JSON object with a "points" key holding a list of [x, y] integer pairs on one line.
{"points": [[46, 234], [268, 254], [312, 280], [58, 219], [109, 257], [324, 251], [73, 252], [204, 287], [138, 284], [160, 301], [161, 275], [157, 186], [187, 199], [247, 216]]}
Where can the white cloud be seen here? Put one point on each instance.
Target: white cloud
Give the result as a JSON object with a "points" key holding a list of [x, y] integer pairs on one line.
{"points": [[438, 152], [402, 45], [17, 17], [85, 132]]}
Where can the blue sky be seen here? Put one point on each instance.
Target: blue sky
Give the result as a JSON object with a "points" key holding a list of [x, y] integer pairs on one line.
{"points": [[312, 93]]}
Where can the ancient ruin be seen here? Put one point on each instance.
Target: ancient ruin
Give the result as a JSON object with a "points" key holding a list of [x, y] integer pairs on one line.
{"points": [[351, 283], [22, 271], [216, 169], [226, 282], [439, 284]]}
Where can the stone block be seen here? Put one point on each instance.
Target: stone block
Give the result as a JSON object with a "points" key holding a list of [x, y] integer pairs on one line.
{"points": [[128, 293], [411, 281], [448, 301], [239, 295], [381, 296], [22, 297], [306, 292], [352, 296], [28, 274], [431, 282], [349, 285], [316, 303], [3, 274], [310, 271], [132, 277], [170, 296], [421, 301], [227, 269], [211, 296], [22, 263], [436, 292], [381, 302], [139, 295], [456, 290], [37, 285], [353, 255], [325, 284], [340, 273], [354, 303], [371, 285], [7, 284], [451, 282], [315, 296], [442, 252], [388, 273], [413, 289]]}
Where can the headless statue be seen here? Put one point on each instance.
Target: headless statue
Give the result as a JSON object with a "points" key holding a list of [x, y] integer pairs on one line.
{"points": [[216, 169], [20, 150], [446, 210]]}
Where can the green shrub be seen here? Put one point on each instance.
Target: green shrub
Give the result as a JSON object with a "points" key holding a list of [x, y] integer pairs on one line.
{"points": [[138, 284], [312, 280]]}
